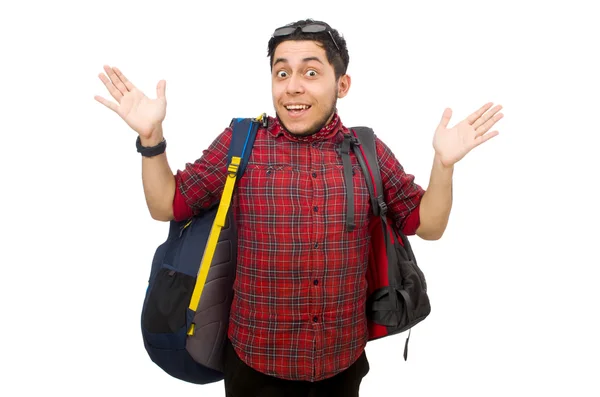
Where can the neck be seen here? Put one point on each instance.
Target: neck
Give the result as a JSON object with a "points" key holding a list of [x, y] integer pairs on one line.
{"points": [[312, 132]]}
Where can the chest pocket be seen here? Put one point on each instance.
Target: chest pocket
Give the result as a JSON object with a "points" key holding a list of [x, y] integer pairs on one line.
{"points": [[272, 197]]}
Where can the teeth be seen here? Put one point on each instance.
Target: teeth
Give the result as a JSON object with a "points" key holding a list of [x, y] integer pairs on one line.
{"points": [[297, 107]]}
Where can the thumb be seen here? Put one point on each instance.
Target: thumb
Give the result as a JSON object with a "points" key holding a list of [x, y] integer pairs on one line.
{"points": [[161, 88], [446, 118]]}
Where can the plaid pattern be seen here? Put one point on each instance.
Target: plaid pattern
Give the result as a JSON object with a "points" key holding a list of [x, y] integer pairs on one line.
{"points": [[299, 306]]}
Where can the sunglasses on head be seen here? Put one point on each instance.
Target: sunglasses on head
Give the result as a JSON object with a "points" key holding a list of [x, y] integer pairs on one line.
{"points": [[310, 28]]}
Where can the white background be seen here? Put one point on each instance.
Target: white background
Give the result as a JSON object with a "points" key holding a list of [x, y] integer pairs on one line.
{"points": [[513, 282]]}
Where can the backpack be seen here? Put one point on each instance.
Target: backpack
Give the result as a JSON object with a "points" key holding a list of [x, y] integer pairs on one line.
{"points": [[397, 289], [185, 313]]}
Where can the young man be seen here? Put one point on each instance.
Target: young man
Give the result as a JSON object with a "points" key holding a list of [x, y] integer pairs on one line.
{"points": [[297, 322]]}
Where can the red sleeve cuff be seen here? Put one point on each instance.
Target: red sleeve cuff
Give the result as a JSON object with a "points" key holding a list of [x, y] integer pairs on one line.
{"points": [[181, 210], [412, 222]]}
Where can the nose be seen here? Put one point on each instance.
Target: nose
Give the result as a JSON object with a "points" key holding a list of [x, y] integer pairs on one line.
{"points": [[294, 85]]}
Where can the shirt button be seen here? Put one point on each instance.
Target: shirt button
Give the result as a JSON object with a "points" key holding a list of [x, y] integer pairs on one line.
{"points": [[316, 282], [315, 319], [316, 209], [314, 174], [316, 245]]}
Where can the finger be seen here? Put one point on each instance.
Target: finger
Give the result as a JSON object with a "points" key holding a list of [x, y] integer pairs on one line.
{"points": [[161, 88], [124, 79], [446, 118], [484, 138], [487, 116], [488, 124], [112, 106], [116, 80], [111, 88], [473, 117]]}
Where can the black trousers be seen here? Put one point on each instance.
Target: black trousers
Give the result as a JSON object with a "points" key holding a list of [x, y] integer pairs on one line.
{"points": [[244, 381]]}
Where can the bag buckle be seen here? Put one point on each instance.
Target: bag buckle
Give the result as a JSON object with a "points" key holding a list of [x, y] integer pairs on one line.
{"points": [[382, 205]]}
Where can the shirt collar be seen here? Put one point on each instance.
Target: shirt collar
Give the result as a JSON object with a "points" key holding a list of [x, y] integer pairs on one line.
{"points": [[334, 126]]}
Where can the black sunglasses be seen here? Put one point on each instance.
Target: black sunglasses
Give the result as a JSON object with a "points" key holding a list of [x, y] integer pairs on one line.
{"points": [[310, 28]]}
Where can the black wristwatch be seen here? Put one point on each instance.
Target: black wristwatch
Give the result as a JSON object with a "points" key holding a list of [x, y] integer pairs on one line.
{"points": [[150, 151]]}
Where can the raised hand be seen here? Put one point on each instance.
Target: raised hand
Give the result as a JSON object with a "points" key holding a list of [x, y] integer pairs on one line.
{"points": [[452, 144], [142, 114]]}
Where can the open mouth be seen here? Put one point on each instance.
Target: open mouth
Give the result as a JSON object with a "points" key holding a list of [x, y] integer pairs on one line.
{"points": [[297, 110]]}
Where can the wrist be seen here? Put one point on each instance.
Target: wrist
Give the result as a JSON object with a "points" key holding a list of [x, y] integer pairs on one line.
{"points": [[154, 138], [149, 149], [437, 163]]}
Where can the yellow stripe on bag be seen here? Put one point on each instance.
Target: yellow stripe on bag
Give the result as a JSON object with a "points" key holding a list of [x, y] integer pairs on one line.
{"points": [[213, 238]]}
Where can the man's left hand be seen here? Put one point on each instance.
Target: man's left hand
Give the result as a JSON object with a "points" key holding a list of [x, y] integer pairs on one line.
{"points": [[452, 144]]}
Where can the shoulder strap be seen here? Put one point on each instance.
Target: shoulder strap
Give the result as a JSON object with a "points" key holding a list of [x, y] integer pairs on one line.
{"points": [[242, 140], [348, 173], [366, 153], [362, 141]]}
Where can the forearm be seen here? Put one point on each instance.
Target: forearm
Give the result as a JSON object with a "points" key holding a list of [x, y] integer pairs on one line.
{"points": [[435, 206], [158, 181]]}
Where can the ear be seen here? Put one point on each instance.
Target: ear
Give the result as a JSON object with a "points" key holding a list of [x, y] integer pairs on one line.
{"points": [[343, 85]]}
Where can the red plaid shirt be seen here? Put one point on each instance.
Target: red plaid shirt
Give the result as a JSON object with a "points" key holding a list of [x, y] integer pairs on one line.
{"points": [[298, 311]]}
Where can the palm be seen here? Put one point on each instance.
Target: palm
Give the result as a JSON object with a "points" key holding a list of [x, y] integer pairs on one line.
{"points": [[452, 144], [141, 113]]}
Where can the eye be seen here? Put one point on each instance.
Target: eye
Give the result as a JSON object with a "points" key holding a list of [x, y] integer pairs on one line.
{"points": [[282, 74], [311, 73]]}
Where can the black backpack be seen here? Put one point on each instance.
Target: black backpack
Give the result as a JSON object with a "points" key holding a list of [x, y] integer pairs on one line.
{"points": [[397, 291]]}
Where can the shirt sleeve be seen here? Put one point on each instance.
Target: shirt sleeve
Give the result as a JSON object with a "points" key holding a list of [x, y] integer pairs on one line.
{"points": [[200, 184], [402, 195]]}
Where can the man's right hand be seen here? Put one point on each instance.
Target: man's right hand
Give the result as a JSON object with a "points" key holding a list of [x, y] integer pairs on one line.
{"points": [[142, 114]]}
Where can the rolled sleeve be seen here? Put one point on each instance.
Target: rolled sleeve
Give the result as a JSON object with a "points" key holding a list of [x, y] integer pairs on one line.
{"points": [[200, 184], [181, 210], [403, 196], [412, 222]]}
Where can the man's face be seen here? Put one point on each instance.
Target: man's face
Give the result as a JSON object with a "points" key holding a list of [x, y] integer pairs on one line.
{"points": [[304, 88]]}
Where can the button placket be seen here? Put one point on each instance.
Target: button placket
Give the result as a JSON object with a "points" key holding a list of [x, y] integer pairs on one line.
{"points": [[318, 180]]}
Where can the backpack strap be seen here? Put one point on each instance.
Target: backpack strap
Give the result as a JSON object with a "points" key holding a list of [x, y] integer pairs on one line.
{"points": [[242, 140], [350, 225], [359, 136], [366, 153]]}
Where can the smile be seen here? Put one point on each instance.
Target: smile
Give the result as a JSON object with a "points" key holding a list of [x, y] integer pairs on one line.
{"points": [[297, 107], [297, 110]]}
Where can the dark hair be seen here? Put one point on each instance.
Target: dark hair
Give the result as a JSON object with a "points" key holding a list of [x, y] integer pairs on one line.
{"points": [[339, 59]]}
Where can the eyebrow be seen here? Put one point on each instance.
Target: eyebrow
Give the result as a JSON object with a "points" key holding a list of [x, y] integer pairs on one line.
{"points": [[284, 60]]}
